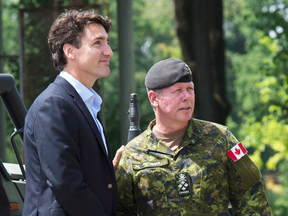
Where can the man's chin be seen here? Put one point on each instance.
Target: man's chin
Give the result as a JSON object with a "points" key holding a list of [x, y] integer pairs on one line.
{"points": [[186, 118], [104, 72]]}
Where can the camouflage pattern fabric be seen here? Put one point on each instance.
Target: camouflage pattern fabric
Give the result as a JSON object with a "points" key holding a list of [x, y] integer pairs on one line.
{"points": [[197, 179]]}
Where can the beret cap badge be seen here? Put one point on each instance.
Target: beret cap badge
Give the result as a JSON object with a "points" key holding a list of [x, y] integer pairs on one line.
{"points": [[188, 69]]}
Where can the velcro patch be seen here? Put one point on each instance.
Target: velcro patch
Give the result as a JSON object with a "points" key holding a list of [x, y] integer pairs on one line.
{"points": [[248, 171], [237, 152]]}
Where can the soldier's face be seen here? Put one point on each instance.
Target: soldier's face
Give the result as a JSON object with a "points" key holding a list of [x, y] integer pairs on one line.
{"points": [[175, 104]]}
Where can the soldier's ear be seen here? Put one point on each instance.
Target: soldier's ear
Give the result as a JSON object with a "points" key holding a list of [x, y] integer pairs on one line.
{"points": [[68, 50], [153, 98]]}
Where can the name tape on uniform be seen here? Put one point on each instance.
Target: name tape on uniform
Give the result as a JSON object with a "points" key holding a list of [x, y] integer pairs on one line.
{"points": [[237, 152]]}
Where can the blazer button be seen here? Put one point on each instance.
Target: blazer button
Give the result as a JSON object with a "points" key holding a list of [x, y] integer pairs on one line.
{"points": [[109, 186]]}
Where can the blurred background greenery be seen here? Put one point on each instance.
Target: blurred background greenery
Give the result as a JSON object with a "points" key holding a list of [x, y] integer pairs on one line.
{"points": [[256, 54]]}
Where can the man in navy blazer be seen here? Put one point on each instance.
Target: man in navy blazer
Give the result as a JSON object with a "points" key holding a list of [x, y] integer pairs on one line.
{"points": [[67, 156]]}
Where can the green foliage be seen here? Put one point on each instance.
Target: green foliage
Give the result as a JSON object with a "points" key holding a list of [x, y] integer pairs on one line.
{"points": [[154, 32], [259, 117]]}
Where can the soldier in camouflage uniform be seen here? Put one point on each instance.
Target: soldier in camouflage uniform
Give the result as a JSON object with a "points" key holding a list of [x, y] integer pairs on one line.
{"points": [[185, 166]]}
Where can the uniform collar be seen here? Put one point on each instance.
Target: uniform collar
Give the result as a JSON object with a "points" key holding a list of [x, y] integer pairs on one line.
{"points": [[192, 135]]}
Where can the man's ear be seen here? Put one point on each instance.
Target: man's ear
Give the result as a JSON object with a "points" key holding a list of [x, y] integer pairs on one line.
{"points": [[153, 98], [68, 50]]}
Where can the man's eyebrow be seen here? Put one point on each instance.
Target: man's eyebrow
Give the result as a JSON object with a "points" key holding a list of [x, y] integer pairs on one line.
{"points": [[101, 38]]}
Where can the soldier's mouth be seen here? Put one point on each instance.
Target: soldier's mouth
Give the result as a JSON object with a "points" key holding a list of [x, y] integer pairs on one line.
{"points": [[185, 108]]}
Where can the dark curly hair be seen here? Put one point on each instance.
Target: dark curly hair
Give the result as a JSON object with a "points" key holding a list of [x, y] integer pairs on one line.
{"points": [[68, 28]]}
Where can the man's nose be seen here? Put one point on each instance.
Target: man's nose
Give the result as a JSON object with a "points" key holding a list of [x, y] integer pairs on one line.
{"points": [[108, 51], [186, 94]]}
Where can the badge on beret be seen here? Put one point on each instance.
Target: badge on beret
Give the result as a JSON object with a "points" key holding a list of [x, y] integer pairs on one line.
{"points": [[237, 152], [183, 183], [188, 68]]}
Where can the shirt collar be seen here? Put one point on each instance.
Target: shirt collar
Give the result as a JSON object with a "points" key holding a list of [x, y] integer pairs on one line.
{"points": [[82, 90]]}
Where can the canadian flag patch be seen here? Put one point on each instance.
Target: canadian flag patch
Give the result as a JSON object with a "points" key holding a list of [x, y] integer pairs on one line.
{"points": [[237, 152]]}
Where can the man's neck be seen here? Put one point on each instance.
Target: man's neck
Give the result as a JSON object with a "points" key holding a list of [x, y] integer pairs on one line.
{"points": [[88, 82], [170, 139], [167, 128]]}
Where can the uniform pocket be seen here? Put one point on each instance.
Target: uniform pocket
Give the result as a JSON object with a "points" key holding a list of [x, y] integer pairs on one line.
{"points": [[149, 188]]}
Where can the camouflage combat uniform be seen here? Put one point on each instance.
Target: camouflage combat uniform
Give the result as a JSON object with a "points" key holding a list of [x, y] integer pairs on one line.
{"points": [[197, 179]]}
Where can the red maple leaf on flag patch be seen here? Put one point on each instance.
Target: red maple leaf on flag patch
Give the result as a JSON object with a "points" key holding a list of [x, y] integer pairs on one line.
{"points": [[237, 151]]}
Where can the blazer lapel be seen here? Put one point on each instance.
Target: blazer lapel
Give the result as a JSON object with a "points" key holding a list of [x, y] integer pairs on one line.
{"points": [[82, 107]]}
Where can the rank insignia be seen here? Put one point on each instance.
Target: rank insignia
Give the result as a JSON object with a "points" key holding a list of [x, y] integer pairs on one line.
{"points": [[183, 183]]}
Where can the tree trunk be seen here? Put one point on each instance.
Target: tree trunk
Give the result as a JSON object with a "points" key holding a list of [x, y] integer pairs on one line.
{"points": [[199, 29]]}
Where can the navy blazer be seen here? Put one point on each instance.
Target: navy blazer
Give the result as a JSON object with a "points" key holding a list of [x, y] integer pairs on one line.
{"points": [[68, 169]]}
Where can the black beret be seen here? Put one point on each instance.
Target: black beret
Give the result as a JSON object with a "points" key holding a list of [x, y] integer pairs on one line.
{"points": [[167, 72]]}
